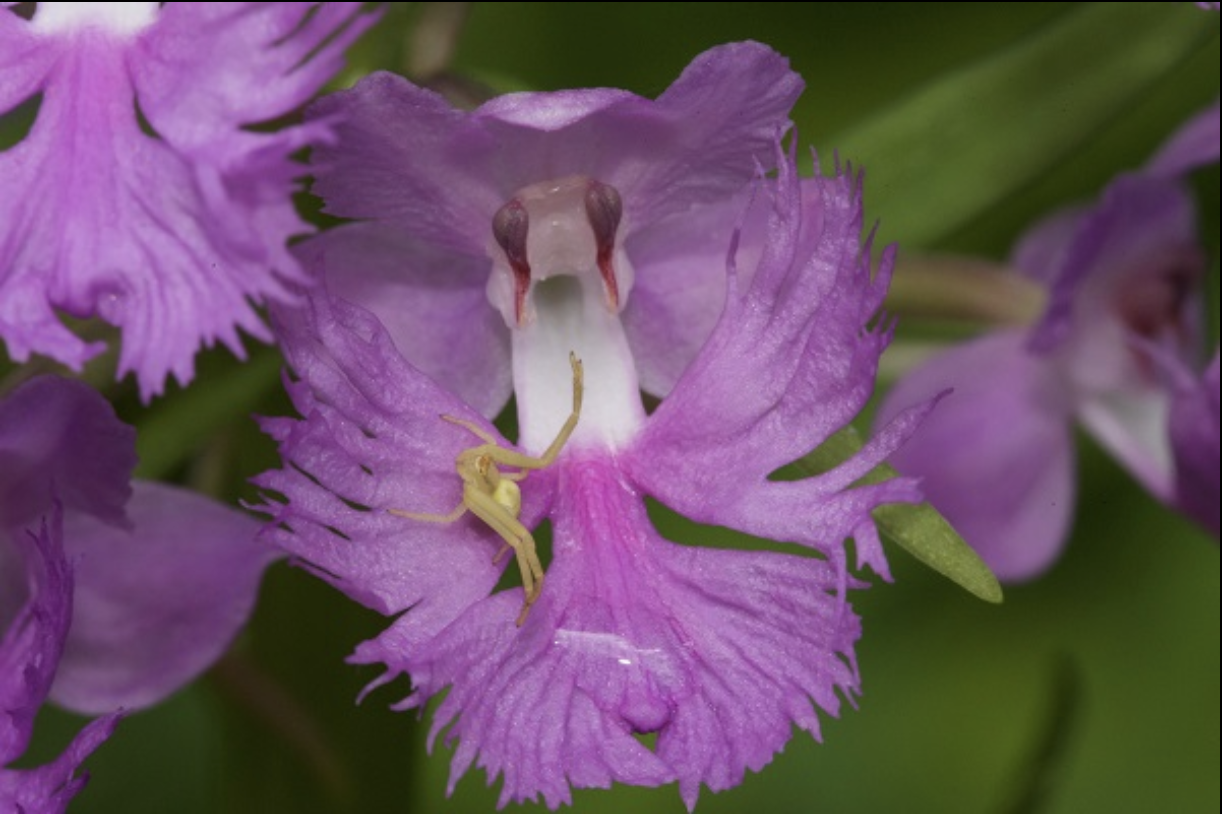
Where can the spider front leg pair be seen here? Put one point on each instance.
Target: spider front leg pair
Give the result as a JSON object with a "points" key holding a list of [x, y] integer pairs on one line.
{"points": [[494, 496]]}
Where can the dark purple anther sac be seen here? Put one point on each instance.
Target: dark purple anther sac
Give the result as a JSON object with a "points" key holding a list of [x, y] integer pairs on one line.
{"points": [[605, 208], [510, 225]]}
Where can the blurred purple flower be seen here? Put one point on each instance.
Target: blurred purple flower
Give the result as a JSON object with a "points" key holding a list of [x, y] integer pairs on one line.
{"points": [[29, 655], [141, 195], [164, 577], [720, 652], [1124, 280], [1194, 425]]}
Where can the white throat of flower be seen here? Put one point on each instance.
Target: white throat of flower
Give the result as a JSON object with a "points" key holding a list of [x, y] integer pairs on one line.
{"points": [[560, 280], [116, 18]]}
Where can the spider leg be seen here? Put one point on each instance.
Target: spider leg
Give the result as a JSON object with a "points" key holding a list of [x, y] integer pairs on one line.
{"points": [[507, 457], [432, 518], [473, 428], [517, 537]]}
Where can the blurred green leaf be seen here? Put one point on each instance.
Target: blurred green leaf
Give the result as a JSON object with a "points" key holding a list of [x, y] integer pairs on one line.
{"points": [[1011, 118], [165, 754], [918, 529], [1038, 773], [179, 426]]}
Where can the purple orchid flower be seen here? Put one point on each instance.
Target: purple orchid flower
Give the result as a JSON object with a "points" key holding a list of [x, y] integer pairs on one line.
{"points": [[164, 578], [29, 655], [497, 243], [141, 195], [1124, 279], [546, 204]]}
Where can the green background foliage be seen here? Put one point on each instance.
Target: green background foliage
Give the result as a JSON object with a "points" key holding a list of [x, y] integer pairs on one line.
{"points": [[1093, 689]]}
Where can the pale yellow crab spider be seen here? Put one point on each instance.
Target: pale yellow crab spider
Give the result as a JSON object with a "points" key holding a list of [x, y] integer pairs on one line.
{"points": [[494, 497]]}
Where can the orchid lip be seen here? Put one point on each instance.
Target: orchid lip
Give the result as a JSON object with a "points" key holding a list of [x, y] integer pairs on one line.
{"points": [[565, 226]]}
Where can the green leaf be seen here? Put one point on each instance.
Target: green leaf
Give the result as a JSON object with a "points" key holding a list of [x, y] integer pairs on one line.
{"points": [[955, 148], [918, 529]]}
